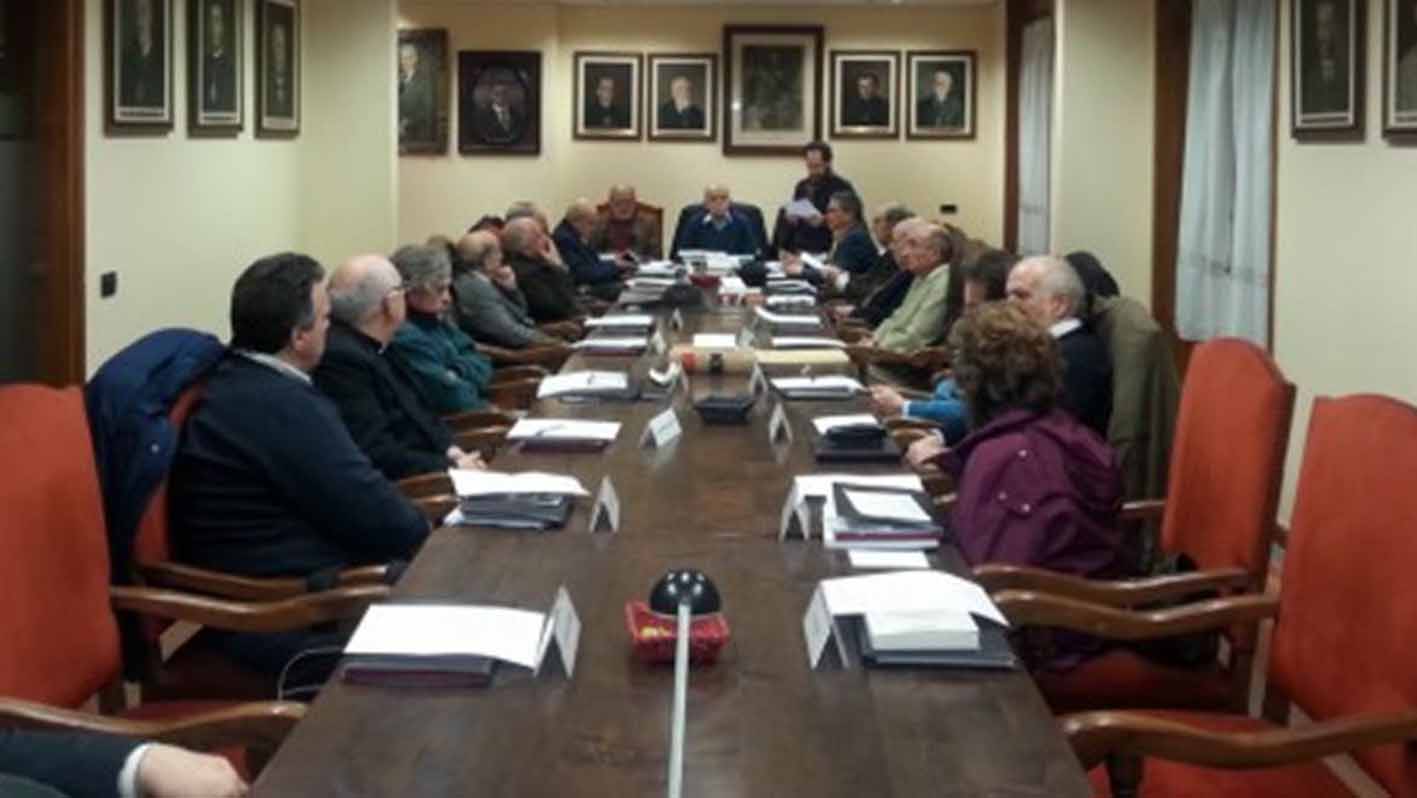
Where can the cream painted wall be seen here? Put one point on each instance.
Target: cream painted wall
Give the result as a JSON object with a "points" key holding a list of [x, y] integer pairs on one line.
{"points": [[1344, 276], [1103, 136], [444, 194], [179, 217], [176, 217]]}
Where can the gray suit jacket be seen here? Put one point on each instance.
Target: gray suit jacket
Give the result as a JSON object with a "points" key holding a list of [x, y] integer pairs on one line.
{"points": [[488, 314]]}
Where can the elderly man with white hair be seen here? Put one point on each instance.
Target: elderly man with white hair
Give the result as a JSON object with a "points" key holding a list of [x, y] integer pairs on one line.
{"points": [[717, 228], [377, 400], [549, 288], [1051, 293], [601, 278]]}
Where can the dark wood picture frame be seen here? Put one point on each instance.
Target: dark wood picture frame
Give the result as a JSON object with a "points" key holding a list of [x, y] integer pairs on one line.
{"points": [[1400, 73], [1319, 124], [682, 64], [841, 85], [120, 117], [17, 72], [517, 75], [915, 99], [203, 120], [278, 95], [608, 126], [424, 97], [757, 138]]}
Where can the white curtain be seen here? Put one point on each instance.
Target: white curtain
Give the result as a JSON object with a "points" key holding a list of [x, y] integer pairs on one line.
{"points": [[1222, 268], [1035, 122]]}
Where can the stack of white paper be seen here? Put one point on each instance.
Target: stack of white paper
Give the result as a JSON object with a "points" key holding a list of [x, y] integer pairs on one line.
{"points": [[632, 320], [806, 342], [907, 591], [583, 382], [871, 559], [657, 268], [651, 282], [801, 209], [893, 507], [789, 283], [732, 286], [823, 385], [564, 429], [825, 424], [820, 485], [715, 341], [923, 630], [791, 301], [611, 343], [432, 630], [785, 320], [468, 482]]}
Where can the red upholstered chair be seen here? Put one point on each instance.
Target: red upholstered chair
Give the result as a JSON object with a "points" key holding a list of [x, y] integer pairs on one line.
{"points": [[57, 609], [1226, 467], [195, 669], [1342, 649]]}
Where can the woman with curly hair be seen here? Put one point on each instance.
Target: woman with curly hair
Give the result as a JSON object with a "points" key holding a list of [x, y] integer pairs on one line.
{"points": [[1035, 486]]}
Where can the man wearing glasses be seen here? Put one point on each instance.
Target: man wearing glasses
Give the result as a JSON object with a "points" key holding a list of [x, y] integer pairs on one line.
{"points": [[376, 398]]}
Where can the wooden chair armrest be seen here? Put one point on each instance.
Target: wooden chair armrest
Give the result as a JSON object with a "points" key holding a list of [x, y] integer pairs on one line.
{"points": [[901, 423], [1143, 510], [474, 419], [905, 437], [1030, 608], [1095, 735], [550, 356], [518, 373], [565, 330], [431, 484], [485, 441], [930, 359], [516, 395], [869, 355], [259, 724], [178, 576], [938, 484], [436, 508], [996, 577], [280, 615], [851, 333]]}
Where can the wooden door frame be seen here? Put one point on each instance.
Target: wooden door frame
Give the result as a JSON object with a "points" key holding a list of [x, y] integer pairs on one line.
{"points": [[59, 134], [1018, 15]]}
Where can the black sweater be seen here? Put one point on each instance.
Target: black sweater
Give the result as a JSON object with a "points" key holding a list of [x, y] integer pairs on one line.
{"points": [[268, 482]]}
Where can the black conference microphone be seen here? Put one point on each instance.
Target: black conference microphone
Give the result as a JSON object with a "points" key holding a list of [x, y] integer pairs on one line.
{"points": [[683, 593]]}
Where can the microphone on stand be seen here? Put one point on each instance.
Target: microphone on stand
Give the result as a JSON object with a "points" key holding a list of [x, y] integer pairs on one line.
{"points": [[683, 593]]}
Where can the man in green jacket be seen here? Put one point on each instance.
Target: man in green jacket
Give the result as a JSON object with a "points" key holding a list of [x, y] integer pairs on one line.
{"points": [[449, 372], [919, 321]]}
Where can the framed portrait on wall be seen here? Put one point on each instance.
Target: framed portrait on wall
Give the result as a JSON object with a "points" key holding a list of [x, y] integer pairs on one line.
{"points": [[215, 67], [1400, 69], [940, 90], [16, 92], [606, 96], [138, 44], [865, 87], [499, 102], [683, 97], [422, 76], [1326, 63], [278, 68], [773, 79]]}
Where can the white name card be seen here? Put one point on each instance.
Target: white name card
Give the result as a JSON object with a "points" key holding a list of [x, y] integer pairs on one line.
{"points": [[745, 338], [607, 508], [778, 428], [759, 381], [676, 321], [819, 628], [661, 430], [794, 512], [656, 343], [563, 627]]}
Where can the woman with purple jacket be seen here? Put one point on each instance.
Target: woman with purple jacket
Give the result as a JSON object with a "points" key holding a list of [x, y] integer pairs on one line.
{"points": [[1035, 486]]}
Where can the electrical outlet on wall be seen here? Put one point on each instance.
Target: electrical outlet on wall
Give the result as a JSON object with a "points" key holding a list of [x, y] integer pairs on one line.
{"points": [[107, 284]]}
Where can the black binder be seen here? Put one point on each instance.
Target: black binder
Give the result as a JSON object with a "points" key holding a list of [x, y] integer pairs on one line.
{"points": [[994, 652]]}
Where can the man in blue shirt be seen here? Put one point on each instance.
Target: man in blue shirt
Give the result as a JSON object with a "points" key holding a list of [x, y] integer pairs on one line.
{"points": [[718, 228]]}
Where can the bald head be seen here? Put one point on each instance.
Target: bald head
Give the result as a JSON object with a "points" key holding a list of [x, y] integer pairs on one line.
{"points": [[1047, 288], [521, 236], [366, 293], [580, 215], [481, 251], [623, 202]]}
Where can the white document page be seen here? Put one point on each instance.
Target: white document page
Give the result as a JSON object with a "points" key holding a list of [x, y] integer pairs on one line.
{"points": [[651, 282], [623, 320], [801, 209], [657, 268], [732, 285], [825, 424], [869, 559], [468, 482], [564, 429], [783, 318], [505, 633], [815, 261], [715, 340], [582, 381], [833, 383], [806, 342], [889, 506], [610, 342], [820, 485], [791, 301], [906, 591]]}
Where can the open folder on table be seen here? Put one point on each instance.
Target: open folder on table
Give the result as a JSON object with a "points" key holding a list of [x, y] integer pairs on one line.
{"points": [[563, 434], [527, 500], [440, 645], [587, 385]]}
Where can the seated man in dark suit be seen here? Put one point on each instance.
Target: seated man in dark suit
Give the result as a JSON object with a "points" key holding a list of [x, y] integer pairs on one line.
{"points": [[624, 229], [267, 481], [547, 283], [490, 306], [75, 764], [1052, 294], [600, 278], [853, 253], [718, 228], [881, 301], [377, 400]]}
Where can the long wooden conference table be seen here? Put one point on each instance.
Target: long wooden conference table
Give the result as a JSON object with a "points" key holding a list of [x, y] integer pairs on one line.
{"points": [[760, 721]]}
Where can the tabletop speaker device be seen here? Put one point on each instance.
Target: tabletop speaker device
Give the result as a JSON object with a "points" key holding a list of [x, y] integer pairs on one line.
{"points": [[683, 593]]}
